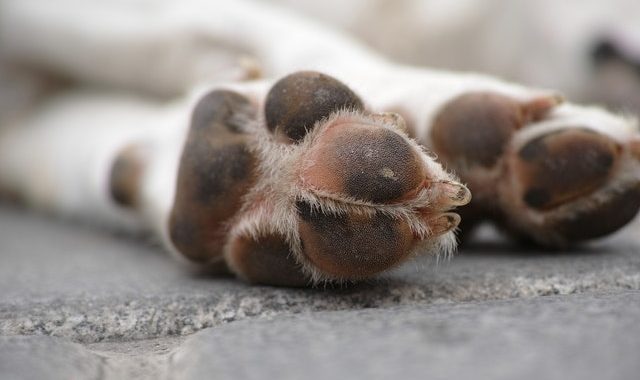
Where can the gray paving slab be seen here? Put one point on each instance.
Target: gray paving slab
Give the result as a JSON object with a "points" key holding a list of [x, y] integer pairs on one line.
{"points": [[73, 281], [583, 336], [557, 337], [44, 357]]}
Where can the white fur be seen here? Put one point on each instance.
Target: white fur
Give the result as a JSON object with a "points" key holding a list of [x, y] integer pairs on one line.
{"points": [[541, 43]]}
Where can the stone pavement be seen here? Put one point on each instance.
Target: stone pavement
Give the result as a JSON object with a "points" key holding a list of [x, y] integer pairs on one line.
{"points": [[77, 302]]}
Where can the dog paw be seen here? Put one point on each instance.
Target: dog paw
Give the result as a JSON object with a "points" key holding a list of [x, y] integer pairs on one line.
{"points": [[304, 185], [554, 173]]}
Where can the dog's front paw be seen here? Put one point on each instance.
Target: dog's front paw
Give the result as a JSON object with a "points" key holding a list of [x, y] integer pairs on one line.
{"points": [[314, 187]]}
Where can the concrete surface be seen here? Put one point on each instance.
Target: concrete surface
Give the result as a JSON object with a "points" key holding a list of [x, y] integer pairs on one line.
{"points": [[77, 302]]}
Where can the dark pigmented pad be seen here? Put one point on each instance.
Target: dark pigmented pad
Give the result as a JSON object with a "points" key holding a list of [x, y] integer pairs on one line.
{"points": [[352, 246], [267, 260], [365, 162], [216, 171], [296, 102], [563, 165], [125, 176], [474, 128], [221, 111], [229, 165], [602, 220]]}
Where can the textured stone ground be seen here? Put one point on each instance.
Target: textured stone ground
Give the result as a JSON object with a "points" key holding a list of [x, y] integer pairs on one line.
{"points": [[77, 302]]}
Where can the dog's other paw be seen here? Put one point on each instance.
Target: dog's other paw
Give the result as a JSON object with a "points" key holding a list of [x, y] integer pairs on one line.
{"points": [[554, 173]]}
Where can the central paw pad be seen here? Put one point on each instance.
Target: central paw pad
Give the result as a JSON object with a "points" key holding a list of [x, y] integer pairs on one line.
{"points": [[364, 161]]}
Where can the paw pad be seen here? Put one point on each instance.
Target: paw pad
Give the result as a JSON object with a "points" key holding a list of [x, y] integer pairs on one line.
{"points": [[216, 170], [601, 220], [125, 176], [365, 162], [266, 260], [352, 246], [296, 102], [475, 128], [561, 166]]}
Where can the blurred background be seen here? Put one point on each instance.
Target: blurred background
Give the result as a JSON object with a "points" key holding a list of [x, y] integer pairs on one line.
{"points": [[588, 50]]}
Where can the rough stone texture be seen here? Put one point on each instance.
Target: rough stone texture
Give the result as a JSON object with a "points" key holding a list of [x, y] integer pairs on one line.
{"points": [[45, 357], [581, 337], [594, 336], [112, 307]]}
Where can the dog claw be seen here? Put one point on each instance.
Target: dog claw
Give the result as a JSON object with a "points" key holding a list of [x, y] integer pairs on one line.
{"points": [[393, 118], [456, 194], [538, 107], [444, 223]]}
